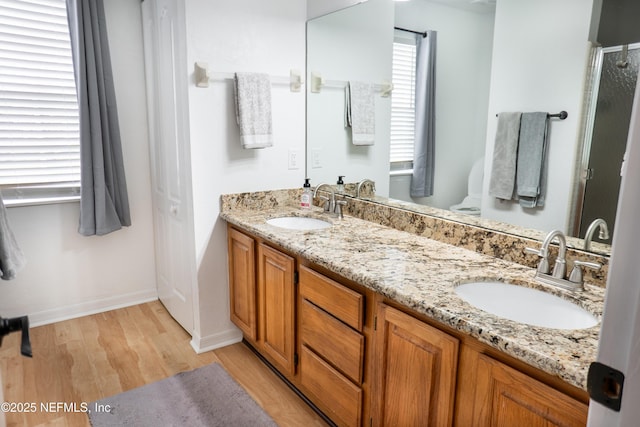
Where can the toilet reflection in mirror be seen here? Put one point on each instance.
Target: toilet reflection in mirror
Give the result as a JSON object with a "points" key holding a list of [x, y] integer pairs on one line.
{"points": [[470, 205]]}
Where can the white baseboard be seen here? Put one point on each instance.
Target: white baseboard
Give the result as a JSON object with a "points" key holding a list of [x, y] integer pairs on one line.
{"points": [[211, 342], [86, 308]]}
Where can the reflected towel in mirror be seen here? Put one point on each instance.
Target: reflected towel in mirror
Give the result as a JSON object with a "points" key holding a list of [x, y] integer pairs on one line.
{"points": [[360, 112], [505, 151], [531, 169]]}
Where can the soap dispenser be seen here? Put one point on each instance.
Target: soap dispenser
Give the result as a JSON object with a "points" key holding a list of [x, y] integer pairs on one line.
{"points": [[305, 198], [340, 184]]}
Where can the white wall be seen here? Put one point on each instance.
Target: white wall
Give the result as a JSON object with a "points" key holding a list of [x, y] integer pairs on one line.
{"points": [[463, 67], [251, 36], [539, 63], [352, 44], [67, 274]]}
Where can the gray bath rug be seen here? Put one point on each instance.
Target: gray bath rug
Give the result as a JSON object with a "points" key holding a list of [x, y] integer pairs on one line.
{"points": [[206, 396]]}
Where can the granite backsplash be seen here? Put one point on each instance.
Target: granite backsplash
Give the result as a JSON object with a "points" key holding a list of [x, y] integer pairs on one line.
{"points": [[392, 214]]}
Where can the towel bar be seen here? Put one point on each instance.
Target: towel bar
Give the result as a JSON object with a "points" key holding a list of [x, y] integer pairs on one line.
{"points": [[203, 76], [561, 115], [318, 82]]}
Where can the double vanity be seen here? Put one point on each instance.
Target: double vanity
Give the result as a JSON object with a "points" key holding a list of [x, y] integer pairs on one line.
{"points": [[380, 326]]}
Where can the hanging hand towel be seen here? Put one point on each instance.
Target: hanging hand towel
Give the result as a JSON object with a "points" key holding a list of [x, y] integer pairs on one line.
{"points": [[12, 259], [253, 109], [360, 112], [503, 169], [532, 147]]}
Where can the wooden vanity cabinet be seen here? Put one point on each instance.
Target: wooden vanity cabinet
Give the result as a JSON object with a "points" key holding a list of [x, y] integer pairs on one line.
{"points": [[415, 367], [415, 371], [262, 297], [312, 333], [426, 375], [332, 346]]}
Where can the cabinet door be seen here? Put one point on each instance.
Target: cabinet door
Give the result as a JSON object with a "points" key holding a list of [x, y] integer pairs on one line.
{"points": [[506, 397], [276, 306], [242, 282], [415, 372]]}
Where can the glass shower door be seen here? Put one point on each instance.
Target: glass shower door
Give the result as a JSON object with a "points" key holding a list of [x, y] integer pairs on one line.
{"points": [[616, 90]]}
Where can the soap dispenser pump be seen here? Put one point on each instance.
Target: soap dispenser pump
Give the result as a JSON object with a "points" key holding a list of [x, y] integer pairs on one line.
{"points": [[305, 198], [340, 184]]}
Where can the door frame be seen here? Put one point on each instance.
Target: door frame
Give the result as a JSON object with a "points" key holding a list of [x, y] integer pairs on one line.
{"points": [[584, 151]]}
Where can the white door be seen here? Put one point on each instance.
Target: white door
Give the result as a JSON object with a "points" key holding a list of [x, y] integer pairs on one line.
{"points": [[165, 51], [619, 346]]}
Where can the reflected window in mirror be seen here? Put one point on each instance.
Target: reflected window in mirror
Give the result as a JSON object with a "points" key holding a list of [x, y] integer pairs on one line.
{"points": [[403, 103]]}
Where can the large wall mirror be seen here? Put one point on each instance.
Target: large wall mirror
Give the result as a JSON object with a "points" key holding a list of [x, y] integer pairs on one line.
{"points": [[491, 58]]}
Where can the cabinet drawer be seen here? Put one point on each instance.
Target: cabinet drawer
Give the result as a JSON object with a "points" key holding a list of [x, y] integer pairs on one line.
{"points": [[337, 343], [342, 302], [338, 397]]}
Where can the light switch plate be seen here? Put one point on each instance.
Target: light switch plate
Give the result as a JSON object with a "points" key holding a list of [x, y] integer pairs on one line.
{"points": [[294, 159], [316, 158]]}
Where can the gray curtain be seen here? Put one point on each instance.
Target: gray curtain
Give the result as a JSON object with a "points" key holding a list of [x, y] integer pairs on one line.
{"points": [[425, 131], [104, 203]]}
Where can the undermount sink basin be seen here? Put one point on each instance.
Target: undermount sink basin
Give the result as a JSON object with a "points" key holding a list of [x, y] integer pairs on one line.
{"points": [[526, 305], [299, 223]]}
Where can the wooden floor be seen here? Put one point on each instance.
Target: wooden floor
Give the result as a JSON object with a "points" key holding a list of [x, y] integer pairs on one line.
{"points": [[86, 359]]}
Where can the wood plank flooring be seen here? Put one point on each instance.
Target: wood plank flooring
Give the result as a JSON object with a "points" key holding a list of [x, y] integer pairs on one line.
{"points": [[89, 358]]}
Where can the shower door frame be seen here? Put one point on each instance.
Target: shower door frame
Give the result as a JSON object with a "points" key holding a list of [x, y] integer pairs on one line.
{"points": [[592, 88]]}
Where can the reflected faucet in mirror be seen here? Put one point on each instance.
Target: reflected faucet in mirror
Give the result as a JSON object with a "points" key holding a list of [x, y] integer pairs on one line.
{"points": [[602, 235], [361, 183]]}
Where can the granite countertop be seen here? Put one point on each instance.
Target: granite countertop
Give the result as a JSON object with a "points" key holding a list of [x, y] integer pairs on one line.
{"points": [[421, 274]]}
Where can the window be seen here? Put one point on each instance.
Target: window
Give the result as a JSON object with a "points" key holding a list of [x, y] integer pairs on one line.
{"points": [[403, 103], [39, 126]]}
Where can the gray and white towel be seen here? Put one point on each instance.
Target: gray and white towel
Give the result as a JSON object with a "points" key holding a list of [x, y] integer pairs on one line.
{"points": [[360, 112], [505, 152], [531, 170], [12, 259], [253, 109]]}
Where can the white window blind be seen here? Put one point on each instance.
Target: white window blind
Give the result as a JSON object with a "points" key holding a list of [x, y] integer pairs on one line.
{"points": [[403, 103], [39, 126]]}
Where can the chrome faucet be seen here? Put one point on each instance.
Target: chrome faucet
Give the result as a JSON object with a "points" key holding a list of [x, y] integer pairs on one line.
{"points": [[560, 266], [329, 202], [603, 235], [361, 183], [331, 205], [557, 277]]}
